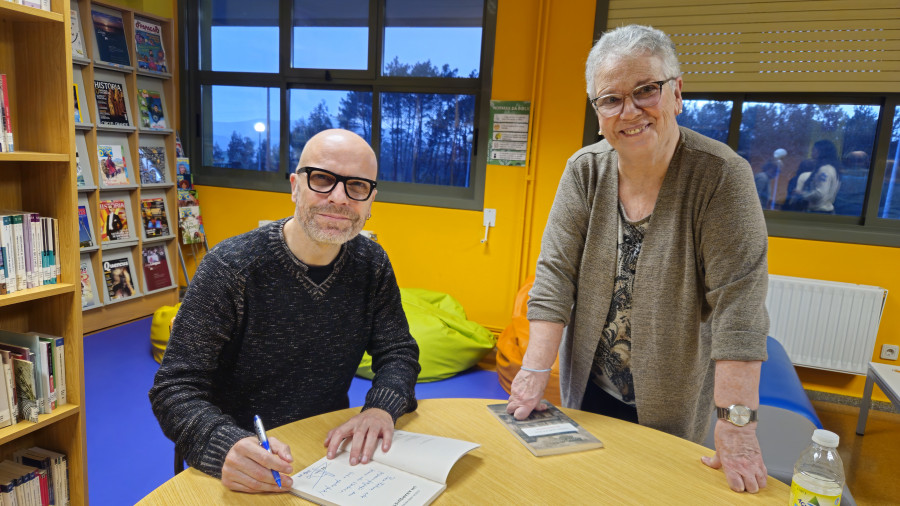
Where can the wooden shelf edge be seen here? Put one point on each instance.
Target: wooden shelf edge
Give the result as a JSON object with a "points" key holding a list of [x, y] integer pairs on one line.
{"points": [[16, 12], [36, 293], [33, 156], [18, 430]]}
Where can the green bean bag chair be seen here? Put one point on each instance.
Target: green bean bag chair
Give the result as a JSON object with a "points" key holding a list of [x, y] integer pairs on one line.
{"points": [[448, 342]]}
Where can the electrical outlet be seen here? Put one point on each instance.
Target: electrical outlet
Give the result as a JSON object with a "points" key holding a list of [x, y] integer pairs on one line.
{"points": [[889, 351]]}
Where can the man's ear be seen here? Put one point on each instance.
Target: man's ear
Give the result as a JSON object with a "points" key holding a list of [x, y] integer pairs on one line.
{"points": [[293, 179]]}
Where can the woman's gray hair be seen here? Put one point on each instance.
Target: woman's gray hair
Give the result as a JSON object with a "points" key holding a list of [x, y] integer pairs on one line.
{"points": [[631, 40]]}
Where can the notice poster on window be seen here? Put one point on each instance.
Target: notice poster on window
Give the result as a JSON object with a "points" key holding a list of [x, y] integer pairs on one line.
{"points": [[509, 132]]}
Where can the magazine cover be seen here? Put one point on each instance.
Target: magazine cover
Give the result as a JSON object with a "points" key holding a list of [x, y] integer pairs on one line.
{"points": [[148, 46], [187, 198], [153, 164], [77, 37], [87, 286], [78, 115], [114, 218], [111, 103], [184, 179], [112, 165], [191, 225], [156, 268], [79, 172], [85, 237], [119, 283], [153, 212], [111, 41], [151, 109]]}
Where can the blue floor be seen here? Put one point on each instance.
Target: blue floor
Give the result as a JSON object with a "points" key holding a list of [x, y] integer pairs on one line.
{"points": [[128, 455]]}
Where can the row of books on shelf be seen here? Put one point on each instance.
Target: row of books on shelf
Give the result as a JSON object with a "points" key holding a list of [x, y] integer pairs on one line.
{"points": [[29, 244], [112, 42], [6, 136], [37, 4], [118, 280], [32, 376], [36, 476], [114, 170]]}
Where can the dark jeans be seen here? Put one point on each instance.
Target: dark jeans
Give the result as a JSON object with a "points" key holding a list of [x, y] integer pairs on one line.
{"points": [[596, 400]]}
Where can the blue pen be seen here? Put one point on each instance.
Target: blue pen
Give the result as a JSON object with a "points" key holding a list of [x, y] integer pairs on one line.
{"points": [[264, 442]]}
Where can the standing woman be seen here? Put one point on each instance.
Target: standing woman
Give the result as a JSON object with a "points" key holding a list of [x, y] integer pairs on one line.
{"points": [[653, 261]]}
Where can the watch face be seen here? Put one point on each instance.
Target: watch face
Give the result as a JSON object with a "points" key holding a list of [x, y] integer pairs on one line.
{"points": [[739, 415]]}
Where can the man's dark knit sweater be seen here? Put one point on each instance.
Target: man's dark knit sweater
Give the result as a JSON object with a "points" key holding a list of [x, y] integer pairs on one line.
{"points": [[254, 335]]}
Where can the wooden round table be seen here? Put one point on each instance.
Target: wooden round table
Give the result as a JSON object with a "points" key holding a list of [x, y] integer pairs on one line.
{"points": [[637, 465]]}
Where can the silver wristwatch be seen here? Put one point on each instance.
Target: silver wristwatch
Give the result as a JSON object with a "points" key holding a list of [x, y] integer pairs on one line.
{"points": [[738, 414]]}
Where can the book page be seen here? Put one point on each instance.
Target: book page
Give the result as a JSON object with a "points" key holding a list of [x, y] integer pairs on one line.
{"points": [[428, 456], [337, 482]]}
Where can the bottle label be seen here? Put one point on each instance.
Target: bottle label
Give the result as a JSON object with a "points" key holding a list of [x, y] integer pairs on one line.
{"points": [[803, 497]]}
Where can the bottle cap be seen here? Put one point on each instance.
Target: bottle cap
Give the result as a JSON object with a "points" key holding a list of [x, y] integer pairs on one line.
{"points": [[826, 438]]}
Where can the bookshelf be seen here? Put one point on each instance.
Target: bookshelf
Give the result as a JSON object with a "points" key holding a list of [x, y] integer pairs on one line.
{"points": [[93, 134], [40, 176]]}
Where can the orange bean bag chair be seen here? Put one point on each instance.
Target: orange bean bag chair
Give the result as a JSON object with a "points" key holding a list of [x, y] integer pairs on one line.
{"points": [[512, 344]]}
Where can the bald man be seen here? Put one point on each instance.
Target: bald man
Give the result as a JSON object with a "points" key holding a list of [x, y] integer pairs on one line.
{"points": [[275, 323]]}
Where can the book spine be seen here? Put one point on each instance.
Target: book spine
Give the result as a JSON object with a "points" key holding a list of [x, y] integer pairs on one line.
{"points": [[3, 147], [61, 369], [37, 246], [10, 146], [19, 236], [55, 256], [7, 241], [10, 385], [6, 414], [3, 273]]}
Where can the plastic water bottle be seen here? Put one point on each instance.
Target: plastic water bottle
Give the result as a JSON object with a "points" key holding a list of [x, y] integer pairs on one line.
{"points": [[819, 473]]}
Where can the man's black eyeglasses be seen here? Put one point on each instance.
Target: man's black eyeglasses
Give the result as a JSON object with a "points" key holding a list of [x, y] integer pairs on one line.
{"points": [[325, 181]]}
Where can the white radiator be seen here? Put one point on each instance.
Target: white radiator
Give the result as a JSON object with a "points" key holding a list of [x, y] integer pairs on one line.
{"points": [[825, 324]]}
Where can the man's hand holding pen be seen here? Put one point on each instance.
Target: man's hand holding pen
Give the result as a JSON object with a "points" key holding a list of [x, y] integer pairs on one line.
{"points": [[248, 466]]}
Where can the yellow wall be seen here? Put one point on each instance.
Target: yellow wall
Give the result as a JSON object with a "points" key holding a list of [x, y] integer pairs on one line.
{"points": [[539, 56], [848, 263]]}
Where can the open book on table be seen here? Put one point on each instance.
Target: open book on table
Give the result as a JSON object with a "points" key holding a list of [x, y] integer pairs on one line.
{"points": [[413, 472], [548, 432]]}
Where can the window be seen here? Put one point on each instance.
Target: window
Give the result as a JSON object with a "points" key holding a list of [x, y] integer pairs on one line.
{"points": [[889, 207], [826, 166], [809, 157], [381, 68], [708, 117]]}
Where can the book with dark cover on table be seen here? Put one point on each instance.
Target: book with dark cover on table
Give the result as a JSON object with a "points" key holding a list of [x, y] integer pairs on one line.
{"points": [[153, 214], [150, 104], [85, 234], [111, 40], [548, 432], [153, 164], [119, 281], [413, 473], [156, 268], [112, 108], [115, 221], [148, 46]]}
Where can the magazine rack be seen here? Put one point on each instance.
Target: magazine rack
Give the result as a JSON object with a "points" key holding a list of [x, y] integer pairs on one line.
{"points": [[121, 58]]}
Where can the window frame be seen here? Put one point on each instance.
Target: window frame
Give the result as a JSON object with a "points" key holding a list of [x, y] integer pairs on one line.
{"points": [[288, 78]]}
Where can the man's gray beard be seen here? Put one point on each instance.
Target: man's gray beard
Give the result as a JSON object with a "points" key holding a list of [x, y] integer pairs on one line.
{"points": [[307, 219]]}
